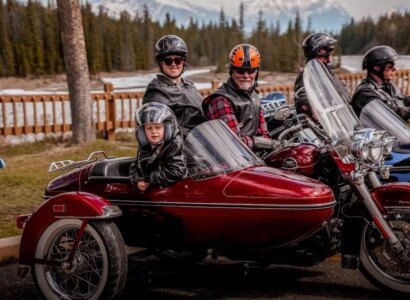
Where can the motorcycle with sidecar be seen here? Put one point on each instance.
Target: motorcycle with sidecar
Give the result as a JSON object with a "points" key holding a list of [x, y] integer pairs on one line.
{"points": [[230, 204]]}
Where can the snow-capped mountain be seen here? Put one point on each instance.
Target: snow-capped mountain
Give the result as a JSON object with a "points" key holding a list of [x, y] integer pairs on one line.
{"points": [[324, 15]]}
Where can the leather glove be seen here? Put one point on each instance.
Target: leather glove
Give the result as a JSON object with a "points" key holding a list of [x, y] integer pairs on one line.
{"points": [[404, 112]]}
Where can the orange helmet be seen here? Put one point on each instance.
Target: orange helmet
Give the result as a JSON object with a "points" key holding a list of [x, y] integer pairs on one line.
{"points": [[244, 56]]}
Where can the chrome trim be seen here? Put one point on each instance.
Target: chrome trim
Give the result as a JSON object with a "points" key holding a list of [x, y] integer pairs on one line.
{"points": [[225, 205], [110, 211], [397, 207], [399, 169]]}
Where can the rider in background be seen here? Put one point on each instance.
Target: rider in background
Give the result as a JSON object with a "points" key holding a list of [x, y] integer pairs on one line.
{"points": [[160, 161], [170, 88], [379, 63], [237, 102], [318, 46]]}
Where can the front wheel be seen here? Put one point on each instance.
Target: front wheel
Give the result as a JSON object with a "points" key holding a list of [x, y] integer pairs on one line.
{"points": [[98, 269], [381, 265]]}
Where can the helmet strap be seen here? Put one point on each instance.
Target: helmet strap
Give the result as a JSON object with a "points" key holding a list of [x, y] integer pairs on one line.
{"points": [[379, 73]]}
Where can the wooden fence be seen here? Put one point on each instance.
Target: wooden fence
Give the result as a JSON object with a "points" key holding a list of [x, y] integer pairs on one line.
{"points": [[44, 114]]}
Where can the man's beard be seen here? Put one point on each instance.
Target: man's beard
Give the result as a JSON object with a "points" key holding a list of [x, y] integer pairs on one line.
{"points": [[246, 86]]}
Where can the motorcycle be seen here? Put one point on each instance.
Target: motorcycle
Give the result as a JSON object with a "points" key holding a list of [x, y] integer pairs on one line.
{"points": [[377, 115], [230, 204], [371, 225]]}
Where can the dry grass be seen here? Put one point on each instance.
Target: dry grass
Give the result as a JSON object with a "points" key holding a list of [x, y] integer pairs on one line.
{"points": [[23, 180]]}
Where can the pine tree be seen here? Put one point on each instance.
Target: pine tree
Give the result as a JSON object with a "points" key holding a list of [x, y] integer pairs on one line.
{"points": [[242, 16], [34, 38], [7, 64], [49, 42]]}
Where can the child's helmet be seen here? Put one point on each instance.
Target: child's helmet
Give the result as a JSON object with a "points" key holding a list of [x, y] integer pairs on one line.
{"points": [[154, 112]]}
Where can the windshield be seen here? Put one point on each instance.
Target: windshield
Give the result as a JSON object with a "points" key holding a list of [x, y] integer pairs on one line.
{"points": [[213, 149], [376, 114], [331, 107]]}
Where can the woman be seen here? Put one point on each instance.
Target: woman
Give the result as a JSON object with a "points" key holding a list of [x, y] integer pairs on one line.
{"points": [[170, 88]]}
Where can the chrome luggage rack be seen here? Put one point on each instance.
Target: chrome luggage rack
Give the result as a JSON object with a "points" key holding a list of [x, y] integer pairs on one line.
{"points": [[64, 165]]}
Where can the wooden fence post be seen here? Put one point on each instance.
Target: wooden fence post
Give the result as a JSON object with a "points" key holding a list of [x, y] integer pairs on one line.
{"points": [[108, 87], [110, 106], [215, 83]]}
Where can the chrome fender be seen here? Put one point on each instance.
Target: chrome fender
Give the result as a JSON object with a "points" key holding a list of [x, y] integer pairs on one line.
{"points": [[78, 205]]}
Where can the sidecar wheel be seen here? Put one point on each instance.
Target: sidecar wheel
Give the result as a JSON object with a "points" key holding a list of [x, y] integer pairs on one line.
{"points": [[383, 267], [99, 267]]}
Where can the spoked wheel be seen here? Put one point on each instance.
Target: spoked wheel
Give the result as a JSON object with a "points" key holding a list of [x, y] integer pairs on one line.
{"points": [[381, 265], [99, 266]]}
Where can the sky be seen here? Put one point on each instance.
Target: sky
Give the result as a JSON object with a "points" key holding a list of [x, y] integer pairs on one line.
{"points": [[356, 8], [360, 8]]}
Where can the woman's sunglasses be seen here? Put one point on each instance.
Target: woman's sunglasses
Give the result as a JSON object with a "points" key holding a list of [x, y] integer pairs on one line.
{"points": [[242, 71], [177, 60]]}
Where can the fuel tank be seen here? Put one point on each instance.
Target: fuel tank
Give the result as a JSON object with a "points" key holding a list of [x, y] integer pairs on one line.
{"points": [[301, 158]]}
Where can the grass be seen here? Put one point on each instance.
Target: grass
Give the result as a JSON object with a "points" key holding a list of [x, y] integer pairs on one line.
{"points": [[26, 175]]}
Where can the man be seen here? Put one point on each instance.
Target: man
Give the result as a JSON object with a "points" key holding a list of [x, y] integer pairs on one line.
{"points": [[318, 46], [237, 102], [170, 88], [379, 63]]}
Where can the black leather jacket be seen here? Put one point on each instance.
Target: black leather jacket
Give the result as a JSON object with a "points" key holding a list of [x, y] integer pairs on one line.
{"points": [[247, 106], [184, 100], [369, 89], [161, 165]]}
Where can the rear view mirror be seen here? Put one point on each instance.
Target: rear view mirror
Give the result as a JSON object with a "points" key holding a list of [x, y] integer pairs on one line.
{"points": [[284, 112]]}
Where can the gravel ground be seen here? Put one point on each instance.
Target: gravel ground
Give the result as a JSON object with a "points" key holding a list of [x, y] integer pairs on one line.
{"points": [[223, 279]]}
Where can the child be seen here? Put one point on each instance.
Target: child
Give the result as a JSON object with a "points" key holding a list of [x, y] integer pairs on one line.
{"points": [[160, 161]]}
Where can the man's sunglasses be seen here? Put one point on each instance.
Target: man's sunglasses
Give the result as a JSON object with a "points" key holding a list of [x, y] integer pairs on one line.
{"points": [[242, 71], [177, 60]]}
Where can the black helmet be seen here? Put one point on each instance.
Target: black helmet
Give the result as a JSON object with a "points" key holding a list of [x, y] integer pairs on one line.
{"points": [[170, 44], [316, 41], [379, 55], [154, 112]]}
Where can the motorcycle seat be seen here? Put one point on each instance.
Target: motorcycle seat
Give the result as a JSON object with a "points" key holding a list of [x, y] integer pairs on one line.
{"points": [[113, 168]]}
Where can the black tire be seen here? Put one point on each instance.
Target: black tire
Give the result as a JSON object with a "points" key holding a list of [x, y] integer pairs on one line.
{"points": [[383, 267], [99, 268]]}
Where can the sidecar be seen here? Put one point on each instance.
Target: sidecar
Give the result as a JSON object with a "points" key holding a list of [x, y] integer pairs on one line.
{"points": [[230, 202]]}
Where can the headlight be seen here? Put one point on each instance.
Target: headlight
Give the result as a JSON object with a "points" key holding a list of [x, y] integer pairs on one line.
{"points": [[388, 144], [371, 145], [375, 151], [359, 150]]}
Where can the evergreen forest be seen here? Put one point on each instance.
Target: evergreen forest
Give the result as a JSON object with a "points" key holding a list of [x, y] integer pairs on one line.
{"points": [[31, 46]]}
